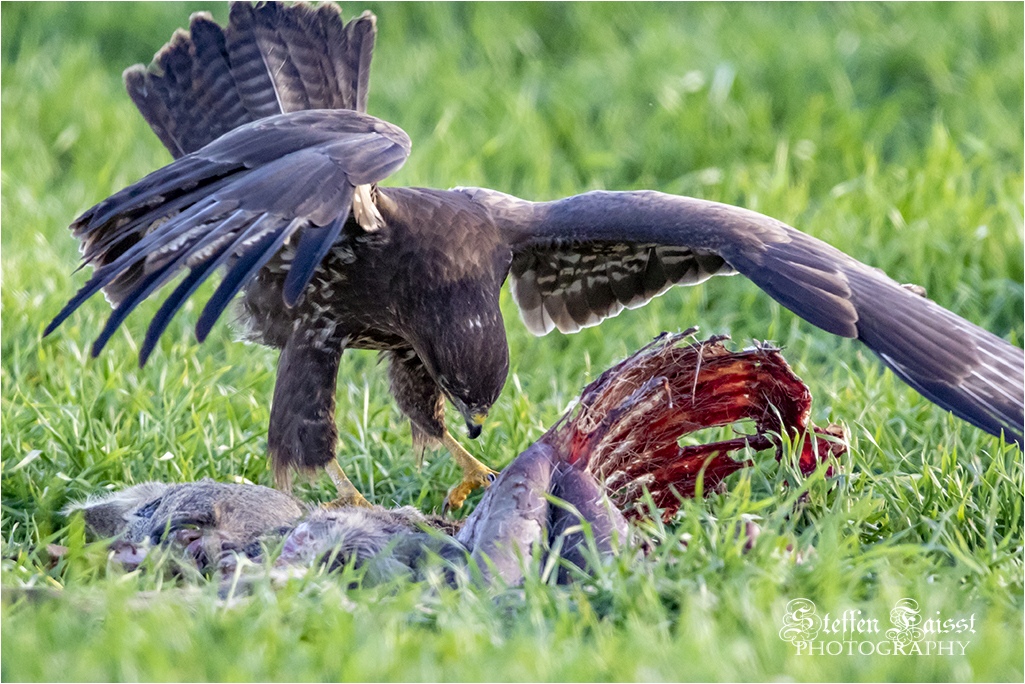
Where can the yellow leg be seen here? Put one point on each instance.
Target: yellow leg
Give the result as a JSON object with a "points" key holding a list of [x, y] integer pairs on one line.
{"points": [[348, 495], [475, 474]]}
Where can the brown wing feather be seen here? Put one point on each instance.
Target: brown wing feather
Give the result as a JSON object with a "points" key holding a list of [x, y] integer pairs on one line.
{"points": [[233, 202], [952, 362], [578, 285]]}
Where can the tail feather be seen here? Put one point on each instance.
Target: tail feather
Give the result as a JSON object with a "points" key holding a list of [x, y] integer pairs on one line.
{"points": [[255, 60], [179, 90], [359, 47], [217, 99], [269, 60], [144, 91], [313, 70]]}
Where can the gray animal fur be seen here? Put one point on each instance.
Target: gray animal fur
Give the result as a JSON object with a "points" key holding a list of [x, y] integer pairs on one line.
{"points": [[206, 518], [210, 522]]}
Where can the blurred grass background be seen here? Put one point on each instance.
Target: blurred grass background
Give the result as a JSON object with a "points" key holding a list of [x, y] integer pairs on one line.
{"points": [[892, 131]]}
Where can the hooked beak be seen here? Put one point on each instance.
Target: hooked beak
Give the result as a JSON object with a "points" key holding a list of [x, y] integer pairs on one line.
{"points": [[473, 425]]}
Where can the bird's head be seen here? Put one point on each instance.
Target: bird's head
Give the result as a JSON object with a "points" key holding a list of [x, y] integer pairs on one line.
{"points": [[470, 364], [473, 386]]}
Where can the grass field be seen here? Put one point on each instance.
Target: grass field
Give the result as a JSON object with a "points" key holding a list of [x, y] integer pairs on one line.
{"points": [[893, 132]]}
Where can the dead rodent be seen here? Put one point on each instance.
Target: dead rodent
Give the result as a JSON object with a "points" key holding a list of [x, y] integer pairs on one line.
{"points": [[205, 518]]}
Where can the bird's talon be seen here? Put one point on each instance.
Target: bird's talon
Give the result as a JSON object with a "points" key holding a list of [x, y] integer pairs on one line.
{"points": [[456, 497], [480, 479], [348, 495], [353, 498]]}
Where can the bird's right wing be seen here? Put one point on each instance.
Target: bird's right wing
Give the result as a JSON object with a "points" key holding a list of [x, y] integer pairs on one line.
{"points": [[582, 259], [235, 202], [264, 118]]}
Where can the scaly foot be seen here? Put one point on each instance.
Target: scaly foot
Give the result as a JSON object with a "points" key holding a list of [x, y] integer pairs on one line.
{"points": [[476, 475], [348, 495]]}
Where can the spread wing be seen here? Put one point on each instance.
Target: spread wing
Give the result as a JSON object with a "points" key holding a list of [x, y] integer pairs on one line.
{"points": [[264, 119], [234, 202], [580, 260]]}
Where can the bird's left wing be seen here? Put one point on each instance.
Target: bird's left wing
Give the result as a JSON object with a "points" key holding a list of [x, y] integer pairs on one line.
{"points": [[582, 259], [235, 202]]}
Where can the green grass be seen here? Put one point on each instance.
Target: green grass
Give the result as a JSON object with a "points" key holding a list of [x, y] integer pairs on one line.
{"points": [[892, 131]]}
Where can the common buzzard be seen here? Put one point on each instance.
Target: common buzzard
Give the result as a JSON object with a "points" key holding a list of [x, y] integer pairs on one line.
{"points": [[276, 178]]}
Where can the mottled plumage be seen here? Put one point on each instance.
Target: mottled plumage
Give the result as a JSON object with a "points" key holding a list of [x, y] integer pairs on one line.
{"points": [[275, 180]]}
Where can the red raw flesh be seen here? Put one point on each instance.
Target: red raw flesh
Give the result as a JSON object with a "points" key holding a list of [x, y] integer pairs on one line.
{"points": [[629, 421]]}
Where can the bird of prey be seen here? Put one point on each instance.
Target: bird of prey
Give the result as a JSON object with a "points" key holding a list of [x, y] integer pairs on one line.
{"points": [[276, 179]]}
